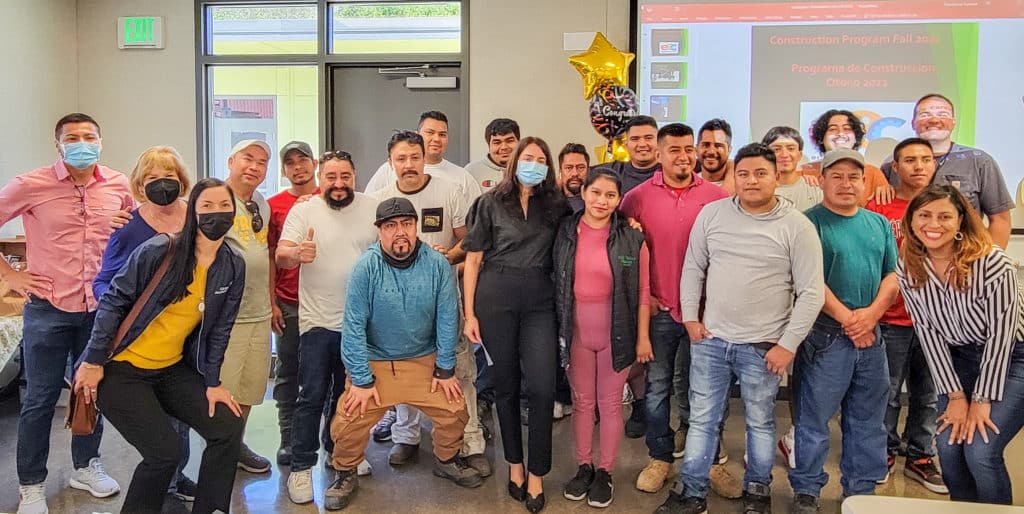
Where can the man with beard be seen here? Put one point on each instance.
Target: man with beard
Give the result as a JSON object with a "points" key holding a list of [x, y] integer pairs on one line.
{"points": [[337, 224], [843, 129], [441, 210], [972, 171], [502, 136], [641, 145], [573, 163], [433, 128], [713, 148], [298, 165], [400, 330]]}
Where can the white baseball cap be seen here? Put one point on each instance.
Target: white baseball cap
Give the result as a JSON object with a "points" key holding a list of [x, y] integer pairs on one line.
{"points": [[246, 143]]}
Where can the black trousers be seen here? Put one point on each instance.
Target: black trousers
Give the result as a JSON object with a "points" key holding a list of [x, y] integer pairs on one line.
{"points": [[516, 309], [140, 404]]}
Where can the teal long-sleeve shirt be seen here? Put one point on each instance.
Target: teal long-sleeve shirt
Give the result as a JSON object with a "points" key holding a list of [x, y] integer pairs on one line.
{"points": [[398, 314]]}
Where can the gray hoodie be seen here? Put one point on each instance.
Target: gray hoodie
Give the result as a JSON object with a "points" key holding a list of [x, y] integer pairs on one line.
{"points": [[763, 273]]}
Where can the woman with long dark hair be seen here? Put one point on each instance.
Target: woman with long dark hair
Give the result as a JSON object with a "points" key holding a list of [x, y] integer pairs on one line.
{"points": [[961, 291], [602, 290], [167, 364], [509, 302]]}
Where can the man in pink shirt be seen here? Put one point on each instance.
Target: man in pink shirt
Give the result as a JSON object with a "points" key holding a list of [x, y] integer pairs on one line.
{"points": [[66, 210], [666, 205]]}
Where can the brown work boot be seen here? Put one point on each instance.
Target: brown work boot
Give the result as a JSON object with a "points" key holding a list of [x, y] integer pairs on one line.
{"points": [[654, 476], [340, 493], [724, 484]]}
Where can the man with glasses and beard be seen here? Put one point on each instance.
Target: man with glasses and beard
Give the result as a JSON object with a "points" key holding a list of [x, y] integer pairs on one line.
{"points": [[323, 238], [441, 208], [247, 358], [573, 163], [399, 341]]}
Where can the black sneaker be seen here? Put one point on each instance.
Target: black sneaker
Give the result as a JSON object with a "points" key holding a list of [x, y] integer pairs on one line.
{"points": [[600, 493], [925, 472], [251, 461], [284, 456], [173, 505], [676, 504], [636, 425], [890, 461], [185, 489], [340, 493], [382, 430], [576, 489], [756, 503], [458, 471], [804, 504]]}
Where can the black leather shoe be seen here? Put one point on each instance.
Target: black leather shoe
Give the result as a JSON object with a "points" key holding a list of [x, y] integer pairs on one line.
{"points": [[535, 503], [517, 492]]}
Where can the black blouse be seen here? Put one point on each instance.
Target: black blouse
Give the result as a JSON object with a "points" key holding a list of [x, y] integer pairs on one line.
{"points": [[506, 238]]}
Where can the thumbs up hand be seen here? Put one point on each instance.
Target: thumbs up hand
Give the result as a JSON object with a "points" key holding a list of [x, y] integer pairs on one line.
{"points": [[307, 249]]}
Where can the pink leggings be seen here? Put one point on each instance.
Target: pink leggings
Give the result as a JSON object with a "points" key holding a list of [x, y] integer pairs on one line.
{"points": [[595, 383]]}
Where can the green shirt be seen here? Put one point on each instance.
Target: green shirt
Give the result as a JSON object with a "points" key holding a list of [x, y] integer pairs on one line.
{"points": [[859, 251], [252, 246]]}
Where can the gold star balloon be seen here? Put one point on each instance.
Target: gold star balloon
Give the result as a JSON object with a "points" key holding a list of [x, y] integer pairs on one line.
{"points": [[601, 64]]}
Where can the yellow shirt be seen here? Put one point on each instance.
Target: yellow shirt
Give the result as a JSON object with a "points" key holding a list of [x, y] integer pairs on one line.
{"points": [[162, 343]]}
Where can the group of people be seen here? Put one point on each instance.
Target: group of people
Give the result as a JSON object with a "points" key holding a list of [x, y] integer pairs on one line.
{"points": [[441, 291]]}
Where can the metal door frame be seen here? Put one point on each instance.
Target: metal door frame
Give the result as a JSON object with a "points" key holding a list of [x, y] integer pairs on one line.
{"points": [[324, 61]]}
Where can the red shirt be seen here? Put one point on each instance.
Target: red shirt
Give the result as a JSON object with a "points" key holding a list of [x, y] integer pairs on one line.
{"points": [[667, 217], [897, 313], [287, 286]]}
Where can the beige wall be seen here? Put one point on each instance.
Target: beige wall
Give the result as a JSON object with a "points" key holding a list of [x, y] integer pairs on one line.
{"points": [[518, 70], [39, 83], [141, 97]]}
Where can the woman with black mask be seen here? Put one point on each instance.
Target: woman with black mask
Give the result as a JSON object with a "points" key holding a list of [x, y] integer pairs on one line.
{"points": [[166, 362]]}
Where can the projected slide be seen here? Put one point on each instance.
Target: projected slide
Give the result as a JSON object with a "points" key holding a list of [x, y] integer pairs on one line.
{"points": [[761, 64]]}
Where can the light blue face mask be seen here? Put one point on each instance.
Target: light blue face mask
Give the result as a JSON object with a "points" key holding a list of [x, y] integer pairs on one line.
{"points": [[81, 154], [531, 173]]}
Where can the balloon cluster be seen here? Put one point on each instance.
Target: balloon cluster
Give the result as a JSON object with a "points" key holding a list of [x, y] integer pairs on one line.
{"points": [[612, 104]]}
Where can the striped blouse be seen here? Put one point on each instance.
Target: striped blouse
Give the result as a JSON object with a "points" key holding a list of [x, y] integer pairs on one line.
{"points": [[988, 314]]}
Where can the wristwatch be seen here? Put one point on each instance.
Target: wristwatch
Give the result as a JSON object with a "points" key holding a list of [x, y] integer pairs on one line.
{"points": [[976, 398]]}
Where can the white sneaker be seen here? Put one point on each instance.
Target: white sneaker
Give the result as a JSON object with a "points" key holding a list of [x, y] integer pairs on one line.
{"points": [[94, 480], [300, 486], [787, 445], [364, 468], [32, 499], [561, 410]]}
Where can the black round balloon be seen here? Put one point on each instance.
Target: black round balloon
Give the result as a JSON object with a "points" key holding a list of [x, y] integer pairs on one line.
{"points": [[611, 108]]}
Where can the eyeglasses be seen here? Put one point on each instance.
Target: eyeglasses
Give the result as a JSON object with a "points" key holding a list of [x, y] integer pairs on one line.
{"points": [[341, 155], [257, 219], [942, 115]]}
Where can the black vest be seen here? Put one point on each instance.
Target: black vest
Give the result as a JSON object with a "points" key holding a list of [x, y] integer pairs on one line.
{"points": [[624, 243]]}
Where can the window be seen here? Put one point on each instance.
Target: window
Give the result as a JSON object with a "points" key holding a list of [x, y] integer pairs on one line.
{"points": [[241, 30], [376, 28], [277, 104]]}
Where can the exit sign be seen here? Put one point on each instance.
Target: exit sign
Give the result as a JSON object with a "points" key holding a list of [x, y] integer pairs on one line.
{"points": [[140, 32]]}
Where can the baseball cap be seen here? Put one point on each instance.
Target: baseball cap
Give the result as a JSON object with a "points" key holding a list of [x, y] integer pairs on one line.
{"points": [[838, 154], [394, 208], [301, 146], [246, 143]]}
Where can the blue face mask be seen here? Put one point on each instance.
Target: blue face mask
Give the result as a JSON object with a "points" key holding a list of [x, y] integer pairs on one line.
{"points": [[531, 173], [81, 154]]}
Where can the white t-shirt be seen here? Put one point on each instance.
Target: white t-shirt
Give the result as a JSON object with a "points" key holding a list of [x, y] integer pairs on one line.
{"points": [[440, 205], [467, 184], [803, 195], [341, 236]]}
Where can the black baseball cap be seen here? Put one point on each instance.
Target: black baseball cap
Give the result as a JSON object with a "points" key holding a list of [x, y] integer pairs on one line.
{"points": [[394, 208], [301, 146]]}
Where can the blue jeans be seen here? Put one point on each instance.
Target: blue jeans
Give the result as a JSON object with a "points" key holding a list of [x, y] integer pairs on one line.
{"points": [[907, 364], [181, 429], [50, 337], [977, 472], [321, 379], [484, 379], [667, 339], [834, 374], [713, 365]]}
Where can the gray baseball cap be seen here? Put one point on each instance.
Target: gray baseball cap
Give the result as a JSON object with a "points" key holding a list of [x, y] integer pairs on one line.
{"points": [[301, 146], [838, 154]]}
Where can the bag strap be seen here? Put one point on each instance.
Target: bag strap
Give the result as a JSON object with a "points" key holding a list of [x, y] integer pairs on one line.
{"points": [[147, 293]]}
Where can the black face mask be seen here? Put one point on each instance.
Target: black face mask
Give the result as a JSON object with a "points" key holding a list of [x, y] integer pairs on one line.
{"points": [[406, 262], [215, 224], [163, 191]]}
